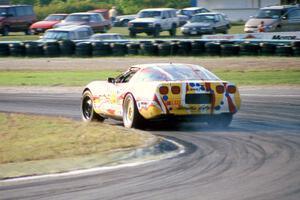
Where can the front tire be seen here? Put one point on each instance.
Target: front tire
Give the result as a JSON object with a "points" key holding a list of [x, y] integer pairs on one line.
{"points": [[88, 113], [156, 32], [131, 115], [173, 30]]}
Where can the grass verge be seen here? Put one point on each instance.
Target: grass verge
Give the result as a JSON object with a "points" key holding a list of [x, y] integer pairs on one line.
{"points": [[38, 144], [79, 78]]}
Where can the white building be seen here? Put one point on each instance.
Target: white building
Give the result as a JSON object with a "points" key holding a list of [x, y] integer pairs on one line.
{"points": [[239, 9]]}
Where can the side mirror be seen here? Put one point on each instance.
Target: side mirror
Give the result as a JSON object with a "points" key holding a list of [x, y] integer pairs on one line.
{"points": [[284, 17], [111, 80], [163, 17]]}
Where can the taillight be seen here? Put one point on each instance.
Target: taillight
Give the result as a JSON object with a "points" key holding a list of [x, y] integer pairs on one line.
{"points": [[175, 89], [231, 89], [220, 89], [163, 90]]}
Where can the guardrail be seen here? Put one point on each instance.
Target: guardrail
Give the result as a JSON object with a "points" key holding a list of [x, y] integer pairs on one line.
{"points": [[168, 47]]}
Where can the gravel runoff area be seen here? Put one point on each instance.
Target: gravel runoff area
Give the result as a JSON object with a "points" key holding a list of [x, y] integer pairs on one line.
{"points": [[121, 63]]}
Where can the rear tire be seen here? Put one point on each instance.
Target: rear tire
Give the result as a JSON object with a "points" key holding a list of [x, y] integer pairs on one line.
{"points": [[131, 115], [88, 113]]}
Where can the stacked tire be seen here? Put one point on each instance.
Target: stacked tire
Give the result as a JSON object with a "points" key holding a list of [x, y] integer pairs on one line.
{"points": [[51, 49], [4, 49], [148, 48], [284, 50], [118, 49], [230, 49], [249, 49], [101, 49], [184, 48], [164, 49], [133, 48], [34, 49], [67, 47], [83, 49], [296, 48], [267, 49], [197, 48], [17, 49], [213, 48]]}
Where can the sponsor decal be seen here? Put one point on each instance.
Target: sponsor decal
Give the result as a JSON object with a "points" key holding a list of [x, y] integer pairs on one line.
{"points": [[263, 36]]}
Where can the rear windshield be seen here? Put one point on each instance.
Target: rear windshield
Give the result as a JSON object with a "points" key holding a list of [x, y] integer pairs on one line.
{"points": [[55, 17], [203, 18], [176, 73], [3, 11], [78, 18], [270, 14], [57, 35]]}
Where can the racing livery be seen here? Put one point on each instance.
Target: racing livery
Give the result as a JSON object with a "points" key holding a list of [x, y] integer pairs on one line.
{"points": [[161, 91]]}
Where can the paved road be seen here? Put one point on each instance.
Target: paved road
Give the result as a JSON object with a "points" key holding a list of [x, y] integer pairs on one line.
{"points": [[257, 158]]}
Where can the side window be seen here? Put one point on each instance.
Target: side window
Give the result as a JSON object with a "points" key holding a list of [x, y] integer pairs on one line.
{"points": [[12, 11], [20, 11], [81, 34], [173, 13], [221, 18], [100, 17], [94, 18], [72, 36], [28, 10], [165, 14], [294, 14], [203, 10]]}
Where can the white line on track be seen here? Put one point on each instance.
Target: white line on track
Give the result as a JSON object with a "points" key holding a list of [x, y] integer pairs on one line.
{"points": [[97, 169]]}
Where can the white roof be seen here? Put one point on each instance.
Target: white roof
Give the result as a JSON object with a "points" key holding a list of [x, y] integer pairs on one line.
{"points": [[192, 8], [70, 28], [142, 66], [158, 9]]}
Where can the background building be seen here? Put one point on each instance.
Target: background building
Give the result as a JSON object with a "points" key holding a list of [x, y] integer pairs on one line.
{"points": [[237, 9]]}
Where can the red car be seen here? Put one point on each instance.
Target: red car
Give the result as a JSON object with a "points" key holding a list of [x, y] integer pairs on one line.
{"points": [[47, 23]]}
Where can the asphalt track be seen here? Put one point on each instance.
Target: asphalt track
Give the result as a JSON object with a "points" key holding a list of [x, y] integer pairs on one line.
{"points": [[257, 158]]}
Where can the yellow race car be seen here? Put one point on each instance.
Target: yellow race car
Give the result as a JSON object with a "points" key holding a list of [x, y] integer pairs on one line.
{"points": [[161, 91]]}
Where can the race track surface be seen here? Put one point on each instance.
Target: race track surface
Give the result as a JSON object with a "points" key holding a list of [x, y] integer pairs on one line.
{"points": [[257, 158]]}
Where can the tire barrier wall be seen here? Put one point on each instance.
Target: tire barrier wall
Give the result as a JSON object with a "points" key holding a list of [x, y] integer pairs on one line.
{"points": [[149, 48]]}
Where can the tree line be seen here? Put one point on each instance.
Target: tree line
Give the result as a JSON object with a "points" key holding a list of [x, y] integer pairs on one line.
{"points": [[46, 7]]}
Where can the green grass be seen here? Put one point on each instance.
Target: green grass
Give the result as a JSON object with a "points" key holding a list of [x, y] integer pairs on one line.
{"points": [[52, 78], [29, 144], [80, 78], [270, 77], [19, 36]]}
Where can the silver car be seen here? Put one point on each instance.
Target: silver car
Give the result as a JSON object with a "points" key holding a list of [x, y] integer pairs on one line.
{"points": [[206, 23], [275, 19]]}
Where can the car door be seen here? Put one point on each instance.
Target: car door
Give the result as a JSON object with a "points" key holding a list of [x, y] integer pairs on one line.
{"points": [[12, 19], [222, 23], [96, 23], [116, 92], [165, 20], [293, 20]]}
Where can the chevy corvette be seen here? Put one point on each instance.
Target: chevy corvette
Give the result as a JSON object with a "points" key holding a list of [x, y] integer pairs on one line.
{"points": [[150, 92]]}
